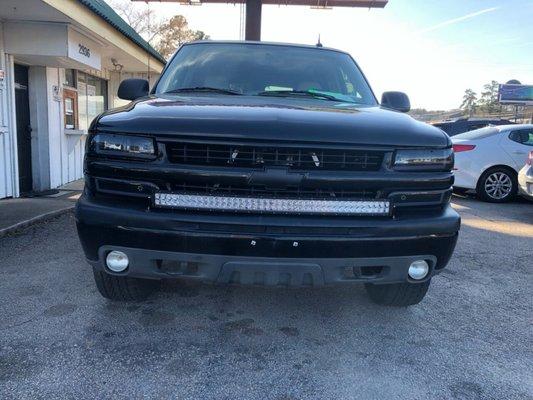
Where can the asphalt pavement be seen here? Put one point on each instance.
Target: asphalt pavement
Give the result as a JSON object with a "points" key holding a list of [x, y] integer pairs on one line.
{"points": [[471, 338]]}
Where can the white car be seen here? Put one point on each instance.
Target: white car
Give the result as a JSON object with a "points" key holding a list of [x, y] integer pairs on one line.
{"points": [[487, 160], [525, 178]]}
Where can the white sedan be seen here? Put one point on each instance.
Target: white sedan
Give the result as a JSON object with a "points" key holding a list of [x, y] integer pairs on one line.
{"points": [[487, 160]]}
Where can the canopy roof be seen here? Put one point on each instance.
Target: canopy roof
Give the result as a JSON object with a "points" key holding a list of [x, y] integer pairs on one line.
{"points": [[318, 3]]}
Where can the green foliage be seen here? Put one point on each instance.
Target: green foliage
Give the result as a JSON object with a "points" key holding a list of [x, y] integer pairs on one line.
{"points": [[489, 97], [174, 33], [469, 101]]}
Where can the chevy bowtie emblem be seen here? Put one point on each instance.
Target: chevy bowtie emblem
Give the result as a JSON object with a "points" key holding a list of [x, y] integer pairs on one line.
{"points": [[316, 160], [234, 155]]}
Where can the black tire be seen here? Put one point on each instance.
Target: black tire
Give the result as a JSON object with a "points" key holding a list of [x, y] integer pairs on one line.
{"points": [[398, 294], [123, 288], [481, 189]]}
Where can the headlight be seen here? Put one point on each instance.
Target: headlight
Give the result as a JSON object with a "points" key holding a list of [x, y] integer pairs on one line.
{"points": [[122, 145], [423, 160]]}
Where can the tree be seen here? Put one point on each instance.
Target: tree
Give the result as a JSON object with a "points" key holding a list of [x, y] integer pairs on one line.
{"points": [[489, 97], [174, 33], [469, 101], [142, 19], [164, 34]]}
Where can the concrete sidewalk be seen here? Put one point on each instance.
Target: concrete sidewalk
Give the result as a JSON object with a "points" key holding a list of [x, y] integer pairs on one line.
{"points": [[16, 214]]}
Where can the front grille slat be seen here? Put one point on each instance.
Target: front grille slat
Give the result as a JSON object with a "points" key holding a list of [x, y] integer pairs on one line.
{"points": [[261, 191], [294, 158]]}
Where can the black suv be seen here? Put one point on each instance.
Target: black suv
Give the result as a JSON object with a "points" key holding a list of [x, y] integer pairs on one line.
{"points": [[462, 125], [265, 164]]}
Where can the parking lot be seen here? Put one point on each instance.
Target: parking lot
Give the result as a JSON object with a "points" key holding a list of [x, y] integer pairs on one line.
{"points": [[469, 339]]}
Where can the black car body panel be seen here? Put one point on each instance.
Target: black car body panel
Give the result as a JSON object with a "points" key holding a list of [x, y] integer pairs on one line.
{"points": [[266, 147], [462, 125]]}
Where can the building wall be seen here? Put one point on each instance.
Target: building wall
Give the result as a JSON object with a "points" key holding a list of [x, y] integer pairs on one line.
{"points": [[66, 147], [6, 145], [57, 153], [37, 84]]}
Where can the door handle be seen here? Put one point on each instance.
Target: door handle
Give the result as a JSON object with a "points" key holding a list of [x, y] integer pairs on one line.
{"points": [[519, 152]]}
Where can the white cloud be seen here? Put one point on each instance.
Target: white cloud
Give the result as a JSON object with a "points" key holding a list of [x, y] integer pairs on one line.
{"points": [[456, 20]]}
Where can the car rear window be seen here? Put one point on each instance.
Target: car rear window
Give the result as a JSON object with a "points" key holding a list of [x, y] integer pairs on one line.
{"points": [[478, 133]]}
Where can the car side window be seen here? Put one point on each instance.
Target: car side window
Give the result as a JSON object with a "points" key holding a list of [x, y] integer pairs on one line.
{"points": [[523, 136]]}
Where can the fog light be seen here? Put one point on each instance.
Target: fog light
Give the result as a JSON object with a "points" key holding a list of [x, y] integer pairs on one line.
{"points": [[117, 261], [418, 269]]}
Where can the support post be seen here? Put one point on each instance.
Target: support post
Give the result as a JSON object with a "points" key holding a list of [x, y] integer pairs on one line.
{"points": [[253, 19]]}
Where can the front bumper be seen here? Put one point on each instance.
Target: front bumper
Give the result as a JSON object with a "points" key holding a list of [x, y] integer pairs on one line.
{"points": [[525, 181], [264, 250]]}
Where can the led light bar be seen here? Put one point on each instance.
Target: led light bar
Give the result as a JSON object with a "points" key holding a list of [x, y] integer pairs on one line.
{"points": [[266, 205]]}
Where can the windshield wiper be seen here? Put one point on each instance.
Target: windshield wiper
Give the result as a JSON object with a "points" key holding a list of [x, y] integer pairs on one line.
{"points": [[203, 89], [299, 93]]}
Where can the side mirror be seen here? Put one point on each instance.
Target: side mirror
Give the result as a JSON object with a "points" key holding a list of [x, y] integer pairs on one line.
{"points": [[396, 101], [132, 89]]}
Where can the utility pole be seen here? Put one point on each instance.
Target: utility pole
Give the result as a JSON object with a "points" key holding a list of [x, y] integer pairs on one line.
{"points": [[253, 19]]}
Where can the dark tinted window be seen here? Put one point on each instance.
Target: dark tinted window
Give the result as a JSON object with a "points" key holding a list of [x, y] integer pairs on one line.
{"points": [[523, 136], [251, 69]]}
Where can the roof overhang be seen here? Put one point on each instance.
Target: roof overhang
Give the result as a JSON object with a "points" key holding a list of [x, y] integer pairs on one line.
{"points": [[52, 44], [97, 26], [76, 19], [312, 3]]}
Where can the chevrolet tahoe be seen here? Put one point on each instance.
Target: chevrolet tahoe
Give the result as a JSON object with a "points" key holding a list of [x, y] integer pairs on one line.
{"points": [[265, 164]]}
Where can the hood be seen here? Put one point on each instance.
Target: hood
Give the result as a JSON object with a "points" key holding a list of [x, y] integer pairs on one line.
{"points": [[270, 118]]}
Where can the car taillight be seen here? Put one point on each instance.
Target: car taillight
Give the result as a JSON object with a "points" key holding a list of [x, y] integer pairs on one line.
{"points": [[457, 148], [529, 160]]}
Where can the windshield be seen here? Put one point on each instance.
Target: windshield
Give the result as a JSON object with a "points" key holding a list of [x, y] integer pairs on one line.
{"points": [[477, 134], [252, 69]]}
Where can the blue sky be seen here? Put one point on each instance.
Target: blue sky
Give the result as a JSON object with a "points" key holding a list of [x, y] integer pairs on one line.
{"points": [[492, 32], [431, 49]]}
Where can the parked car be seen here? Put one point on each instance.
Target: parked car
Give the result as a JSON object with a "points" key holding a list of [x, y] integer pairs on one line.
{"points": [[461, 125], [266, 164], [487, 160], [525, 178]]}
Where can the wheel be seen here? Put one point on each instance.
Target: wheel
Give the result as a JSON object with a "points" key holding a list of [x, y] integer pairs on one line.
{"points": [[123, 288], [397, 294], [497, 185]]}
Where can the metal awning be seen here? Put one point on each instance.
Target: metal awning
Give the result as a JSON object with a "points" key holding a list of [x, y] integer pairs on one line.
{"points": [[254, 8]]}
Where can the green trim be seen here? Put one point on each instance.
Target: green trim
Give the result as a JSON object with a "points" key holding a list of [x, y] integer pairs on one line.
{"points": [[103, 10]]}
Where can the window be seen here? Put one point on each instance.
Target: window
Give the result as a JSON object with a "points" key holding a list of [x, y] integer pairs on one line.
{"points": [[70, 103], [70, 78], [92, 98], [84, 97], [522, 136]]}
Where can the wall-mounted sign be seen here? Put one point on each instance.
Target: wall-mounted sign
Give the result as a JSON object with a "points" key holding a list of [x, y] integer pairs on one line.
{"points": [[516, 94], [83, 50]]}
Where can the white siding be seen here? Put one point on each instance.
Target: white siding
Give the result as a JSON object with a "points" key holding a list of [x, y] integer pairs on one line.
{"points": [[6, 156], [66, 150]]}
